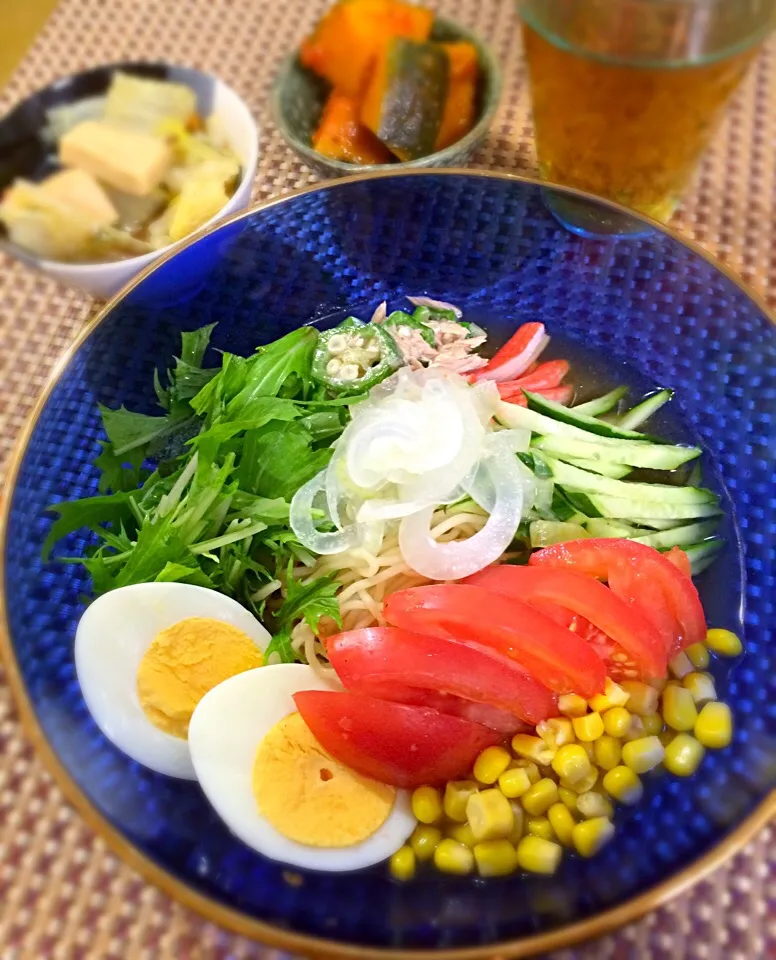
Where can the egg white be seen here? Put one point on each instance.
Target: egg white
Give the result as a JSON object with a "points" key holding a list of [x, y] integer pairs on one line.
{"points": [[112, 637], [228, 725]]}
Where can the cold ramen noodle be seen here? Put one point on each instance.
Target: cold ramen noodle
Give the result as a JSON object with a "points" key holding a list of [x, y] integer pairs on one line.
{"points": [[388, 600]]}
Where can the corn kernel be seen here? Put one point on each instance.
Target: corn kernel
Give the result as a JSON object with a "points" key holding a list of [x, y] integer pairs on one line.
{"points": [[537, 855], [653, 724], [613, 696], [491, 763], [495, 858], [532, 748], [453, 857], [714, 726], [571, 762], [556, 731], [683, 755], [679, 710], [572, 705], [426, 804], [658, 683], [457, 793], [589, 727], [680, 666], [586, 783], [724, 642], [562, 822], [590, 836], [514, 783], [568, 797], [642, 698], [490, 815], [462, 832], [623, 785], [608, 752], [643, 755], [594, 804], [424, 841], [589, 748], [636, 729], [698, 655], [530, 768], [540, 797], [617, 721], [402, 864], [519, 828], [539, 827], [701, 686]]}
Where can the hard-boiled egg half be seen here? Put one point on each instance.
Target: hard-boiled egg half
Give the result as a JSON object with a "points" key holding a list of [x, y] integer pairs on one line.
{"points": [[146, 654], [277, 789]]}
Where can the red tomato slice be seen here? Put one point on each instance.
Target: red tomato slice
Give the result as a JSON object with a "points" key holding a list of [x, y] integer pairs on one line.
{"points": [[680, 560], [630, 630], [387, 655], [397, 744], [552, 655], [517, 354], [600, 557]]}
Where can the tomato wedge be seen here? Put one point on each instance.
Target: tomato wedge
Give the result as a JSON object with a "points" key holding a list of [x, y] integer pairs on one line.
{"points": [[607, 559], [387, 655], [517, 354], [552, 655], [627, 627], [397, 744]]}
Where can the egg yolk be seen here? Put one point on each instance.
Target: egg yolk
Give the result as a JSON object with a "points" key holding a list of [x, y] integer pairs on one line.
{"points": [[186, 660], [308, 796]]}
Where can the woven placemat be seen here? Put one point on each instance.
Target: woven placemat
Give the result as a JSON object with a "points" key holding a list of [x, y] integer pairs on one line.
{"points": [[62, 894]]}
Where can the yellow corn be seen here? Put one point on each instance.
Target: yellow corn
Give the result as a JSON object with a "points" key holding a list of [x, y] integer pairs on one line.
{"points": [[495, 858], [462, 832], [519, 828], [683, 755], [680, 666], [540, 797], [613, 696], [714, 726], [586, 783], [617, 721], [556, 732], [653, 724], [491, 763], [724, 642], [594, 804], [571, 762], [453, 857], [530, 768], [679, 710], [698, 655], [402, 864], [532, 748], [424, 841], [636, 729], [589, 727], [643, 755], [538, 855], [562, 822], [642, 698], [426, 804], [514, 783], [701, 686], [568, 797], [589, 748], [457, 793], [572, 705], [590, 836], [658, 683], [539, 827], [623, 785], [490, 815], [607, 751]]}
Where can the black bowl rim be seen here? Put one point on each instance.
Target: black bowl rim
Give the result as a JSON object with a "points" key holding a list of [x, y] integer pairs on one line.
{"points": [[228, 917]]}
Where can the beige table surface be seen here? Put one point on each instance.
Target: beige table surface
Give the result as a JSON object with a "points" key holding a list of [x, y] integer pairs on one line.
{"points": [[62, 894]]}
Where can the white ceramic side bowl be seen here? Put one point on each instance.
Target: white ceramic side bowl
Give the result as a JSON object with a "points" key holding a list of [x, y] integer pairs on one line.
{"points": [[102, 280]]}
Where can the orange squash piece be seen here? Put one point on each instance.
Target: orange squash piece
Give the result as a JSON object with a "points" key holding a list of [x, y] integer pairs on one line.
{"points": [[341, 137], [459, 109], [349, 37]]}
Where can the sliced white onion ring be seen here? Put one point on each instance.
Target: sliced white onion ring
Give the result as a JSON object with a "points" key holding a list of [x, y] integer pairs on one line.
{"points": [[302, 523]]}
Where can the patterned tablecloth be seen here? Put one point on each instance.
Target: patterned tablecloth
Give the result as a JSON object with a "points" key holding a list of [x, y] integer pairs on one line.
{"points": [[62, 893]]}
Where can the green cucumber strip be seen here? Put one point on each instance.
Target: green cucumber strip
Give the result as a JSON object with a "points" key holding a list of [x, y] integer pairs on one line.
{"points": [[702, 555], [602, 467], [658, 524], [570, 476], [580, 502], [557, 411], [654, 456], [513, 415], [679, 536], [644, 410], [618, 508], [598, 527], [544, 533], [599, 405]]}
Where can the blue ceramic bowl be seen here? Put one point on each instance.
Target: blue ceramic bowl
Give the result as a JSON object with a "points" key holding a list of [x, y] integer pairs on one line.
{"points": [[650, 310]]}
